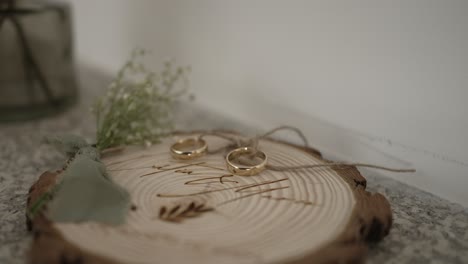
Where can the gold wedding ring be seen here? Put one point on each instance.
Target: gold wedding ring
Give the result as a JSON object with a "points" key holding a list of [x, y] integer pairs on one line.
{"points": [[188, 148], [258, 161]]}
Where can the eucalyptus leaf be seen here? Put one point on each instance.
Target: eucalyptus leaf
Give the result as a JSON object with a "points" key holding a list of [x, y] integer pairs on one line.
{"points": [[86, 193]]}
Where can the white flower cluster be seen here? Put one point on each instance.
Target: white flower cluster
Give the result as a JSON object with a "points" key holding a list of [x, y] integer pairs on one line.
{"points": [[137, 106]]}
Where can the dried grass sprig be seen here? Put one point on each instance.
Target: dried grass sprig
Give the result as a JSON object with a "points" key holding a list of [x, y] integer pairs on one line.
{"points": [[137, 106]]}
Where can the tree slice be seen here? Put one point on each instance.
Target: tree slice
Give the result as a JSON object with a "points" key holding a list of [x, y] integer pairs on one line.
{"points": [[196, 211]]}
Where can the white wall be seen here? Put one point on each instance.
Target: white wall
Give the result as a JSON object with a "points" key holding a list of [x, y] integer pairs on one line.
{"points": [[389, 77]]}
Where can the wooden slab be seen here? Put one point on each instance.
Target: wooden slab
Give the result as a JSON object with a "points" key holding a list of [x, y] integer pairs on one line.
{"points": [[197, 212]]}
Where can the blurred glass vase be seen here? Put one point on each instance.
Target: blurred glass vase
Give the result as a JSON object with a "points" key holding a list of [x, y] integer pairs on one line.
{"points": [[37, 75]]}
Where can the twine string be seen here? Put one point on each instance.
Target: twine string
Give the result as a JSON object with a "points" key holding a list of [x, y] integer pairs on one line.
{"points": [[234, 141], [339, 165], [291, 128], [238, 141]]}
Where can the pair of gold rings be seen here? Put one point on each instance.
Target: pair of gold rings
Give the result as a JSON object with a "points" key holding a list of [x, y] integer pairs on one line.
{"points": [[192, 148]]}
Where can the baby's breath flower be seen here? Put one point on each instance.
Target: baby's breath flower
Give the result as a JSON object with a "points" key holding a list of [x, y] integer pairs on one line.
{"points": [[136, 108]]}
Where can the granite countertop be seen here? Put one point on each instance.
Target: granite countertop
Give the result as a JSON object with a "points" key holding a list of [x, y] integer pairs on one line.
{"points": [[426, 229]]}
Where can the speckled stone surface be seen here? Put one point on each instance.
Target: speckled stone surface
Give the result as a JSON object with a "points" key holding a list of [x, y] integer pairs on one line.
{"points": [[426, 229]]}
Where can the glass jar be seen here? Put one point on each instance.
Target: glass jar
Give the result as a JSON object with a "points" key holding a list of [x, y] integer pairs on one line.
{"points": [[37, 75]]}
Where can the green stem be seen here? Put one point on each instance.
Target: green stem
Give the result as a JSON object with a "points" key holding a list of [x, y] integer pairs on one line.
{"points": [[39, 204]]}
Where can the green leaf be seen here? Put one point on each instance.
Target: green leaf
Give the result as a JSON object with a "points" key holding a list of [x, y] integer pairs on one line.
{"points": [[87, 194]]}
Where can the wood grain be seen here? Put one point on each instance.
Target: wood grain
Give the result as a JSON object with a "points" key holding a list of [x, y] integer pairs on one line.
{"points": [[306, 216]]}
